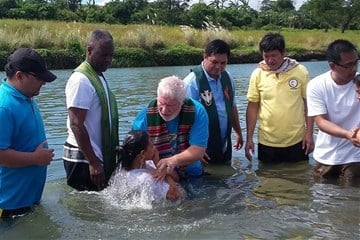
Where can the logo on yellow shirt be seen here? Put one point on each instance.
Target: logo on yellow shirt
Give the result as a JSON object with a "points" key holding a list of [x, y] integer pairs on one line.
{"points": [[293, 83]]}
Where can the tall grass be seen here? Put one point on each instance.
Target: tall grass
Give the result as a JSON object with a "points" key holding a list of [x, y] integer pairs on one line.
{"points": [[50, 34], [63, 43], [142, 37]]}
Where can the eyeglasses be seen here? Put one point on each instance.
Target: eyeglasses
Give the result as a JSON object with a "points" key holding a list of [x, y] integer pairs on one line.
{"points": [[348, 65]]}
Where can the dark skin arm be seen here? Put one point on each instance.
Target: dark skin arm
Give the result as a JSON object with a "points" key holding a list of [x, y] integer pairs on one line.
{"points": [[77, 119]]}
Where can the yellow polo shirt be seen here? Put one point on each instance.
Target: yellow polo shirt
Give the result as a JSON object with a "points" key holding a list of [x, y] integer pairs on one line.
{"points": [[281, 106]]}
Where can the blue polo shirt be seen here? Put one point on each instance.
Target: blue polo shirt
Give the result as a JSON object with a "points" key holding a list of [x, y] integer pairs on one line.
{"points": [[22, 129], [198, 134]]}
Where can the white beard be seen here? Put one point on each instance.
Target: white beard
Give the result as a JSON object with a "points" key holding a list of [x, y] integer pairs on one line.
{"points": [[172, 117]]}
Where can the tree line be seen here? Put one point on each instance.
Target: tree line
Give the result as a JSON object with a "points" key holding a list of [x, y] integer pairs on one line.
{"points": [[229, 14]]}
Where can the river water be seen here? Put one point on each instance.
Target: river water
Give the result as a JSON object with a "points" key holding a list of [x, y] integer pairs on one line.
{"points": [[245, 201]]}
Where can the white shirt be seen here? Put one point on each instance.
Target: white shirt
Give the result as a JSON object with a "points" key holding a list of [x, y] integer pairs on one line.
{"points": [[80, 93], [339, 102]]}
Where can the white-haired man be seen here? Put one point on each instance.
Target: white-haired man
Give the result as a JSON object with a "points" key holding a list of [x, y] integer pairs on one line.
{"points": [[178, 127]]}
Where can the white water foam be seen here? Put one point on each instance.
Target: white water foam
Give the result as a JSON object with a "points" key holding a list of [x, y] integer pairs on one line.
{"points": [[126, 192]]}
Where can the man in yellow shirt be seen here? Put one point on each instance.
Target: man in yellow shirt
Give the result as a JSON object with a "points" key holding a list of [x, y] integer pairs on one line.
{"points": [[277, 97]]}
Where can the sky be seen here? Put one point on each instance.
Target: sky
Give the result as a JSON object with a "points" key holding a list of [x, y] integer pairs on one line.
{"points": [[255, 4]]}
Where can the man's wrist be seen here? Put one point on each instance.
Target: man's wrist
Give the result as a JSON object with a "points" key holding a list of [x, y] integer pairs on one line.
{"points": [[176, 160]]}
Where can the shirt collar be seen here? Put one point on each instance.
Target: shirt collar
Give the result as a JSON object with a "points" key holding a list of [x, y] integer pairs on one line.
{"points": [[12, 90], [207, 75]]}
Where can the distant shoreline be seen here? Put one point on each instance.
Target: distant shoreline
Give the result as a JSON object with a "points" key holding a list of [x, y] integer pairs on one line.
{"points": [[129, 58]]}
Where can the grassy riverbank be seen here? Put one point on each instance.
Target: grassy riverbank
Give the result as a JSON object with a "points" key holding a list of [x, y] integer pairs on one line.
{"points": [[63, 44]]}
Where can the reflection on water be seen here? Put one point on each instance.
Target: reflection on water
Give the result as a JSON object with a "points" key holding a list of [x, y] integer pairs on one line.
{"points": [[245, 201]]}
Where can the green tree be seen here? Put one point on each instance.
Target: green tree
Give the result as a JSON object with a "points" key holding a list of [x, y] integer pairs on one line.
{"points": [[170, 12], [325, 12], [218, 4], [33, 9], [283, 5], [95, 14], [266, 5], [123, 11], [199, 14], [5, 6], [349, 14], [238, 16]]}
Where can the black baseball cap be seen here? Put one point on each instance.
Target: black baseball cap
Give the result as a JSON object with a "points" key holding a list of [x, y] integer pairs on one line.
{"points": [[29, 61]]}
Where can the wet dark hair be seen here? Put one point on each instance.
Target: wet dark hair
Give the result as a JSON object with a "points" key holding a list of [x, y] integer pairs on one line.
{"points": [[272, 41], [337, 47], [135, 141], [217, 46]]}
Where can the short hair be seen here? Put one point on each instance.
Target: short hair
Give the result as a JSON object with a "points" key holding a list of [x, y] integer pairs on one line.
{"points": [[172, 87], [337, 47], [99, 35], [217, 46], [135, 141], [272, 41]]}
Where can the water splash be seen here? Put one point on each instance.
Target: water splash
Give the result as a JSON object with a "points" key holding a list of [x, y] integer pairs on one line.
{"points": [[124, 193]]}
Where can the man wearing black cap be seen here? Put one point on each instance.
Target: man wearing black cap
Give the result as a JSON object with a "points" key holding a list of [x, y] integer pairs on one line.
{"points": [[24, 154]]}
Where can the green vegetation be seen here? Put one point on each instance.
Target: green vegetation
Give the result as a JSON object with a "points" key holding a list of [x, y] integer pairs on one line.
{"points": [[63, 43], [229, 14], [163, 32]]}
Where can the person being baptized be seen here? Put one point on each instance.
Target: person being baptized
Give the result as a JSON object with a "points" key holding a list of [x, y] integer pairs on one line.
{"points": [[138, 156]]}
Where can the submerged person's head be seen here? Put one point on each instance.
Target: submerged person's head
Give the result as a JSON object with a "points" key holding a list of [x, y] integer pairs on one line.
{"points": [[171, 93], [137, 147]]}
